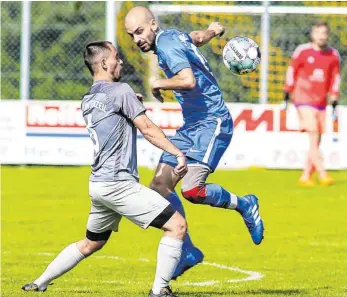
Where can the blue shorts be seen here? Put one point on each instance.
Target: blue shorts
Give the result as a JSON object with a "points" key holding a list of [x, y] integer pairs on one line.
{"points": [[203, 143]]}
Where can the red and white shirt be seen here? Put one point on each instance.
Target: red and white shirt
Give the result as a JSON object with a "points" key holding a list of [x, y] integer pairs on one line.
{"points": [[312, 75]]}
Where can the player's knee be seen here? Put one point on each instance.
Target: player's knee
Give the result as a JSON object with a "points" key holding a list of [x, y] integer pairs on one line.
{"points": [[93, 242], [180, 227], [312, 130], [176, 226], [88, 247], [195, 194]]}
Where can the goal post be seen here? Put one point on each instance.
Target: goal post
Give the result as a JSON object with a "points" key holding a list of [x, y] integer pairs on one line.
{"points": [[277, 29]]}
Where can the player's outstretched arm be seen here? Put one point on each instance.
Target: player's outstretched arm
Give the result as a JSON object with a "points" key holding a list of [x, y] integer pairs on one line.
{"points": [[156, 136], [202, 37], [183, 80]]}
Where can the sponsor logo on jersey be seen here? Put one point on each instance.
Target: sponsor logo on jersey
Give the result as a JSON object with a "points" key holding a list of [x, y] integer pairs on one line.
{"points": [[317, 75]]}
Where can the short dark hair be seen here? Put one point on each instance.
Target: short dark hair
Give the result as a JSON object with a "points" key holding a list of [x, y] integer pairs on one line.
{"points": [[321, 24], [92, 50]]}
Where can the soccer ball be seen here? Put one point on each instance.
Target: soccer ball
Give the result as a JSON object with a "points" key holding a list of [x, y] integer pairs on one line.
{"points": [[241, 55]]}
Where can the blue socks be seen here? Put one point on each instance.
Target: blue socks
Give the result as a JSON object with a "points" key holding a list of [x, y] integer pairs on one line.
{"points": [[216, 196], [176, 203]]}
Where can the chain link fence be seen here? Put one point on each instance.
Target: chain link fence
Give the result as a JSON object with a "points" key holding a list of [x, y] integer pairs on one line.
{"points": [[10, 49], [60, 30]]}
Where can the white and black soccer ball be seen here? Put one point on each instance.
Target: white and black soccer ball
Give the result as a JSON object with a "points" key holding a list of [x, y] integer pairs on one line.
{"points": [[241, 55]]}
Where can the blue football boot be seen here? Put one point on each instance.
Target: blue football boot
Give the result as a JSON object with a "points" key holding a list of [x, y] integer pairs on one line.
{"points": [[249, 210], [189, 259]]}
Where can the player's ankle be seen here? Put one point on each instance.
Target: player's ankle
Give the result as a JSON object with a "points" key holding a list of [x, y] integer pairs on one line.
{"points": [[323, 175], [241, 204], [305, 177]]}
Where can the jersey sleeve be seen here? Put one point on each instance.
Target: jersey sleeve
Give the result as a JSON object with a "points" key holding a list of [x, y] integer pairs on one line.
{"points": [[174, 53], [127, 102], [294, 66], [334, 87]]}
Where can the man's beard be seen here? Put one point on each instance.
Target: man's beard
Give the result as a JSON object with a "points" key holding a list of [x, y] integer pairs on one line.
{"points": [[155, 36]]}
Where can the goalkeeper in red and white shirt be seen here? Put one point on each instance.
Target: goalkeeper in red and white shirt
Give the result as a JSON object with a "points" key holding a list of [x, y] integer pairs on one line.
{"points": [[313, 79]]}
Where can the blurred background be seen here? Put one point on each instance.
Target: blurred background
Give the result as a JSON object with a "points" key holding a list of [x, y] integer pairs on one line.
{"points": [[56, 33], [43, 77], [43, 208]]}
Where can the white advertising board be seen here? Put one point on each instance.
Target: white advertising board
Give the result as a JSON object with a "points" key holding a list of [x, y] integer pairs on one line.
{"points": [[53, 132]]}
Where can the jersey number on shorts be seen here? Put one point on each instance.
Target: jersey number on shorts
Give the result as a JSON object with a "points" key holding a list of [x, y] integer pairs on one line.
{"points": [[92, 134]]}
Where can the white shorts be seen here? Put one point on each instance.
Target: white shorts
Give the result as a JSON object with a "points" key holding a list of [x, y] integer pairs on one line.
{"points": [[112, 200]]}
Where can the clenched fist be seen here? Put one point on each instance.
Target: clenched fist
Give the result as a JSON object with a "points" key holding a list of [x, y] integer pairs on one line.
{"points": [[217, 28]]}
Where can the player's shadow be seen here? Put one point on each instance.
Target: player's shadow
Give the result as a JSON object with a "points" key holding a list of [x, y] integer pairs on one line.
{"points": [[260, 292], [339, 181], [289, 292]]}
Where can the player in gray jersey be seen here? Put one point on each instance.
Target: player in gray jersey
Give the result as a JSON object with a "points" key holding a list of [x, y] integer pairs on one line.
{"points": [[113, 113]]}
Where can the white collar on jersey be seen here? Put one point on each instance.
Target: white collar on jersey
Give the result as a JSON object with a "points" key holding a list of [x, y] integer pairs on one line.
{"points": [[157, 36]]}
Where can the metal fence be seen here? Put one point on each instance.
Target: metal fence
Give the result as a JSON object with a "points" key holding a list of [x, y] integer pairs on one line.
{"points": [[60, 30]]}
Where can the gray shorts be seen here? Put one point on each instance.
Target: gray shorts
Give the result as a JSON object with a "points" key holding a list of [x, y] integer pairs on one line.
{"points": [[112, 200]]}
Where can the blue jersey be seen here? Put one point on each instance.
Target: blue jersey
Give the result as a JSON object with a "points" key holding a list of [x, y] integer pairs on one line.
{"points": [[176, 51]]}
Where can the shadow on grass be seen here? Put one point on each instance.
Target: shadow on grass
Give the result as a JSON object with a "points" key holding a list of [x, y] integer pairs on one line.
{"points": [[260, 292]]}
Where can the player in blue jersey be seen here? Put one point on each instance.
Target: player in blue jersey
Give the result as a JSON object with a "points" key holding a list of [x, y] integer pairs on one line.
{"points": [[207, 129]]}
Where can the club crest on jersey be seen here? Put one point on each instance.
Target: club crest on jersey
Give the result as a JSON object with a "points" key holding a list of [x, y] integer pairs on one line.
{"points": [[310, 59]]}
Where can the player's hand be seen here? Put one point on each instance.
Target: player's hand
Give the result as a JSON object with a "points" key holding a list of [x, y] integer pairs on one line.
{"points": [[181, 169], [139, 97], [334, 99], [217, 28], [156, 91]]}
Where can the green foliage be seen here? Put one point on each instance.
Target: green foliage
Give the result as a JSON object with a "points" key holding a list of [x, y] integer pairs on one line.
{"points": [[60, 30]]}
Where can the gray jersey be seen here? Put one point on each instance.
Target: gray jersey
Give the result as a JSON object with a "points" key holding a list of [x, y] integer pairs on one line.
{"points": [[108, 110]]}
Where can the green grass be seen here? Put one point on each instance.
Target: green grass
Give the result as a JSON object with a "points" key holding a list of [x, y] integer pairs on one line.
{"points": [[304, 252]]}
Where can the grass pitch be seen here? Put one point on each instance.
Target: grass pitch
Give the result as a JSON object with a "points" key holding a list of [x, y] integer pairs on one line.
{"points": [[304, 252]]}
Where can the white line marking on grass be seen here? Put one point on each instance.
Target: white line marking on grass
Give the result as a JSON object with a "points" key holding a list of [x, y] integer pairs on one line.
{"points": [[201, 284], [251, 275], [143, 260], [109, 257], [326, 243], [45, 254]]}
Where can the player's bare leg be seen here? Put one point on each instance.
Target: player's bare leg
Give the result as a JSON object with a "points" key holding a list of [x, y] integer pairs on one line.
{"points": [[315, 157], [312, 121], [325, 179], [164, 182], [67, 259], [309, 169]]}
